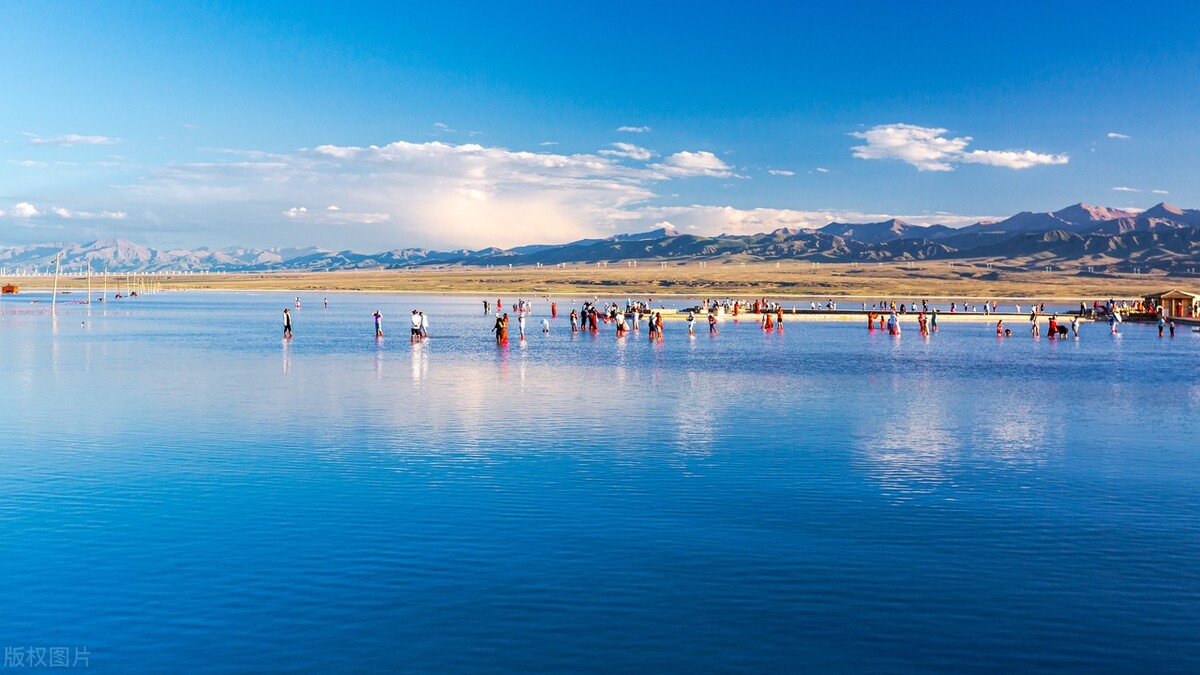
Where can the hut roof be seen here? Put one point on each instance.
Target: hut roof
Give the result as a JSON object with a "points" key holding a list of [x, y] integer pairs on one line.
{"points": [[1173, 294]]}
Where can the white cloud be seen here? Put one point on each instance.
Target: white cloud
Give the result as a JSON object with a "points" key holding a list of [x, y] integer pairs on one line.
{"points": [[1011, 159], [433, 194], [438, 195], [28, 163], [548, 143], [1126, 189], [334, 215], [712, 220], [781, 172], [24, 210], [442, 126], [630, 151], [87, 215], [421, 194], [634, 130], [1160, 192], [1113, 134], [701, 163], [69, 140], [821, 169], [27, 210], [928, 149]]}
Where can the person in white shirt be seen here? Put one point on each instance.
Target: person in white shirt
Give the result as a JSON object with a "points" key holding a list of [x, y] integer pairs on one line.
{"points": [[424, 325], [521, 325], [415, 336]]}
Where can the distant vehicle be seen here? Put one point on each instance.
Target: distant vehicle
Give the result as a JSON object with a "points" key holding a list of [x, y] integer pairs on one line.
{"points": [[10, 289]]}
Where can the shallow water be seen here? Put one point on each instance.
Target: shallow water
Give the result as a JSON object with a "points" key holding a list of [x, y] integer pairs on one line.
{"points": [[182, 490]]}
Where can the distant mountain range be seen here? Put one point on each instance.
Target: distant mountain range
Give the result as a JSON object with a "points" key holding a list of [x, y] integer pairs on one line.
{"points": [[1162, 237]]}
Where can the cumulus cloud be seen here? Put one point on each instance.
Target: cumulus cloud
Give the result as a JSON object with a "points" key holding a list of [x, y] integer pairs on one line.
{"points": [[781, 172], [928, 149], [710, 220], [87, 215], [1113, 134], [630, 151], [634, 130], [1122, 188], [435, 194], [24, 210], [401, 194], [69, 140], [1011, 159], [28, 210], [701, 163]]}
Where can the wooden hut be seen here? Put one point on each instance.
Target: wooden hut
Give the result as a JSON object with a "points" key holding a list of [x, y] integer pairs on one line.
{"points": [[1175, 303]]}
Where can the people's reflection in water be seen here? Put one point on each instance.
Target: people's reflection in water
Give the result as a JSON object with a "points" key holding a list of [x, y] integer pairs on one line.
{"points": [[379, 358], [287, 356], [420, 362]]}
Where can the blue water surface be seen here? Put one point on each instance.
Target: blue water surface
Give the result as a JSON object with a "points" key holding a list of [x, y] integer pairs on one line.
{"points": [[181, 490]]}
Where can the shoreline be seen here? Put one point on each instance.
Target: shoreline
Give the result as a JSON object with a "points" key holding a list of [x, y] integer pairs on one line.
{"points": [[613, 294]]}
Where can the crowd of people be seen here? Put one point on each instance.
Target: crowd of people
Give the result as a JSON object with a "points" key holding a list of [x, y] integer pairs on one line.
{"points": [[884, 315]]}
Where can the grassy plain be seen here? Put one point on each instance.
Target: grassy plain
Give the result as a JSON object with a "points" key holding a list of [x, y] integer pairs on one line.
{"points": [[973, 279]]}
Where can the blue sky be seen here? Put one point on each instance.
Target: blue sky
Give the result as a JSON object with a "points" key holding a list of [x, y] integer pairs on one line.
{"points": [[470, 124]]}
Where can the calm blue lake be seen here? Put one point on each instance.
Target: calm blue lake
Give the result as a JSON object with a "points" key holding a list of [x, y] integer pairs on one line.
{"points": [[183, 491]]}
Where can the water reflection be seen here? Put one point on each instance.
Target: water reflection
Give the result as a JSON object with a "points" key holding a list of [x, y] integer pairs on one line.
{"points": [[911, 452], [419, 362]]}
